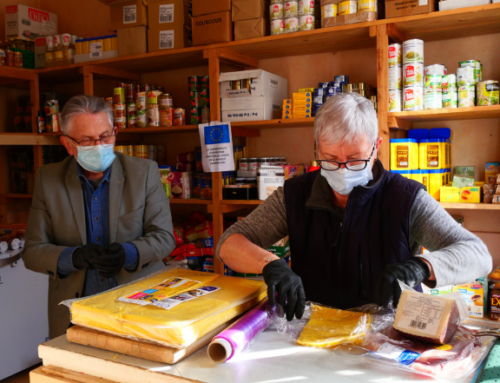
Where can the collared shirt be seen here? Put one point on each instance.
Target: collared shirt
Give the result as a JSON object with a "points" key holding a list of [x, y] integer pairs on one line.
{"points": [[96, 202]]}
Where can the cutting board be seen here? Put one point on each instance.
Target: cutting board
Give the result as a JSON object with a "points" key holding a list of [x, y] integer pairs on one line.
{"points": [[137, 348], [52, 374]]}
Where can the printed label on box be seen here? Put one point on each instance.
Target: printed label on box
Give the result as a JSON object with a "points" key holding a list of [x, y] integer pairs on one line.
{"points": [[166, 13], [95, 50], [129, 14], [422, 2], [166, 39], [422, 313]]}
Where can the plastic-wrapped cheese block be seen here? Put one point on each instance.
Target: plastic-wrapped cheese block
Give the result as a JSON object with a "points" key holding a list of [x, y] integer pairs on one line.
{"points": [[174, 308], [332, 327], [427, 318]]}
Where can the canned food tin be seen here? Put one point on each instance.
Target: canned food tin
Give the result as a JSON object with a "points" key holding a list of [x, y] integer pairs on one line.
{"points": [[487, 93], [291, 24], [19, 59], [121, 149], [131, 108], [306, 23], [49, 57], [130, 150], [413, 51], [58, 55], [153, 153], [318, 96], [395, 77], [141, 151], [329, 10], [331, 91], [153, 115], [342, 78], [132, 120], [413, 98], [119, 110], [394, 55], [49, 41], [367, 6], [433, 101], [120, 122], [413, 74], [306, 7], [57, 42], [474, 64], [276, 1], [277, 11], [179, 117], [449, 83], [347, 88], [121, 94], [450, 100], [348, 7], [394, 100], [466, 96], [291, 9], [323, 85], [66, 40], [165, 101], [434, 69], [466, 76], [166, 115], [142, 119], [433, 84]]}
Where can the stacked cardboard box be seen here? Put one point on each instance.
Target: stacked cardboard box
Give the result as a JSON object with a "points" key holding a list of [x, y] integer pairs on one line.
{"points": [[250, 18], [167, 24], [212, 22]]}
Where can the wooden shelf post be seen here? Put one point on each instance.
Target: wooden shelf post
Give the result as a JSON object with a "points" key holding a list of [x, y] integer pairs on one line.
{"points": [[383, 92], [88, 80]]}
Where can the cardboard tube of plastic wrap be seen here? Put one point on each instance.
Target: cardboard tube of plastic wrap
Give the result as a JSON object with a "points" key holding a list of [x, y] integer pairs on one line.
{"points": [[236, 337]]}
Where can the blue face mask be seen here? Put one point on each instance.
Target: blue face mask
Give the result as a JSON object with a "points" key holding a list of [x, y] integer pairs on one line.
{"points": [[344, 180], [97, 159]]}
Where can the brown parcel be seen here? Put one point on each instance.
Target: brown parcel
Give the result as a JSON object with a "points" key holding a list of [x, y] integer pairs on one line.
{"points": [[397, 8], [248, 29], [360, 17], [248, 10], [213, 28], [132, 41], [166, 25], [129, 14], [205, 7]]}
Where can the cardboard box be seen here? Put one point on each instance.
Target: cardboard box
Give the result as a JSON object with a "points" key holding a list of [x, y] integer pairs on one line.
{"points": [[455, 4], [40, 49], [88, 57], [249, 9], [361, 17], [166, 25], [263, 84], [129, 14], [249, 29], [28, 22], [212, 28], [249, 102], [398, 8], [132, 41], [473, 294], [205, 7], [269, 112]]}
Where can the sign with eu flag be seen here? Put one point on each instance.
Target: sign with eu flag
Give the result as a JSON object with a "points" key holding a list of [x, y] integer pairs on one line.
{"points": [[216, 147]]}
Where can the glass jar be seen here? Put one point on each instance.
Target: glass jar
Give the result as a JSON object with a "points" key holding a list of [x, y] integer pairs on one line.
{"points": [[244, 165]]}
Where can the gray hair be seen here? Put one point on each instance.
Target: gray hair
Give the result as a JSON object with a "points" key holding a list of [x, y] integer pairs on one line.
{"points": [[84, 104], [346, 118]]}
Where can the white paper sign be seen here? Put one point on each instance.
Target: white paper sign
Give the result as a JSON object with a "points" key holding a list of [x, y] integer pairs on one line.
{"points": [[216, 147]]}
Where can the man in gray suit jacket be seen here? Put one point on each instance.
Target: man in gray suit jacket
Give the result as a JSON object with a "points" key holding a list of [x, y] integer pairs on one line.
{"points": [[99, 218]]}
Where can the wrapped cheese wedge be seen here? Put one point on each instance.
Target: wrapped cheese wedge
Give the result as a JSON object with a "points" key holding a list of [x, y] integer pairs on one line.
{"points": [[173, 308], [329, 327]]}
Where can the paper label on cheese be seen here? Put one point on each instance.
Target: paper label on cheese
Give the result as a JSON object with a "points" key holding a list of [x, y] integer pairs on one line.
{"points": [[400, 354], [422, 314], [169, 293]]}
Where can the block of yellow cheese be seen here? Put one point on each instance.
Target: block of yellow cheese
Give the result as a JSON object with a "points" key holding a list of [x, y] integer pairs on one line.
{"points": [[332, 327], [427, 318], [178, 326]]}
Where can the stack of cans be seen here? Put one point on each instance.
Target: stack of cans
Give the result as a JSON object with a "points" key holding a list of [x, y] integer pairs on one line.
{"points": [[199, 98], [325, 90], [291, 16], [395, 83], [450, 91], [469, 74], [413, 74], [433, 90]]}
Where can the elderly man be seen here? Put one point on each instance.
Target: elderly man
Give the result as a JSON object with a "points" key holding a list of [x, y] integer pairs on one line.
{"points": [[99, 218], [355, 228]]}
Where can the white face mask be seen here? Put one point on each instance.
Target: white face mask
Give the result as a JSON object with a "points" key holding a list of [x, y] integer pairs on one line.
{"points": [[344, 180]]}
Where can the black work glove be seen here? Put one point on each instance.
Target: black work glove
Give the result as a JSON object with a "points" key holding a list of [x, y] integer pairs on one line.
{"points": [[412, 272], [82, 256], [291, 295], [111, 261]]}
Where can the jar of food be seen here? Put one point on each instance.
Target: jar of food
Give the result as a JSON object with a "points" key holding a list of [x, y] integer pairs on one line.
{"points": [[66, 41], [49, 57], [57, 42], [244, 165], [59, 55], [253, 165], [165, 101], [179, 117], [49, 41], [265, 161], [19, 59]]}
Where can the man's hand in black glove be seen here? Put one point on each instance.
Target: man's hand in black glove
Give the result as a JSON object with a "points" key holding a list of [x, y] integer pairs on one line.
{"points": [[291, 296], [412, 272], [82, 256], [111, 261]]}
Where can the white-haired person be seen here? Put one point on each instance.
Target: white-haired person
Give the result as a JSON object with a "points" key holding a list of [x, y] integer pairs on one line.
{"points": [[99, 218], [355, 229]]}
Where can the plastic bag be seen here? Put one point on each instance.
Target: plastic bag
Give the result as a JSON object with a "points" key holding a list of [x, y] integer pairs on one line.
{"points": [[178, 326]]}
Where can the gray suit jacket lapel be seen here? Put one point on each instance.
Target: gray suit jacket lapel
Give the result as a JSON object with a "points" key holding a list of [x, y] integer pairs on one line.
{"points": [[75, 194], [117, 183]]}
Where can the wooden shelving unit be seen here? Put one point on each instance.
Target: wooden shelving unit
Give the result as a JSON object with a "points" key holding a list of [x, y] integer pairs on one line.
{"points": [[465, 22]]}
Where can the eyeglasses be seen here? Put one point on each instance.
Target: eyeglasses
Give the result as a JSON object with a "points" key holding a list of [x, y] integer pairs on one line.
{"points": [[355, 165], [88, 144]]}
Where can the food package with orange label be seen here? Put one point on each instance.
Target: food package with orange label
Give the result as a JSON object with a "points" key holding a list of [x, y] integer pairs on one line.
{"points": [[468, 194], [173, 308], [473, 294], [491, 171]]}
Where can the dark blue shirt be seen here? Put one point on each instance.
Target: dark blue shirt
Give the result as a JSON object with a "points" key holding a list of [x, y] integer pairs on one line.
{"points": [[96, 202]]}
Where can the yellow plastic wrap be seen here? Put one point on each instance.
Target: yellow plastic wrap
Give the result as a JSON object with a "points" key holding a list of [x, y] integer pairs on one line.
{"points": [[176, 327], [329, 327]]}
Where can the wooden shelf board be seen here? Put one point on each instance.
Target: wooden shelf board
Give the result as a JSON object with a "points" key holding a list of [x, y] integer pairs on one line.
{"points": [[16, 195], [11, 73], [190, 201], [273, 124], [28, 139], [452, 24], [471, 113], [470, 206], [241, 202]]}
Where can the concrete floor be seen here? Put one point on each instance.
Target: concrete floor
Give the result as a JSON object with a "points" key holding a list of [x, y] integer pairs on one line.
{"points": [[20, 377]]}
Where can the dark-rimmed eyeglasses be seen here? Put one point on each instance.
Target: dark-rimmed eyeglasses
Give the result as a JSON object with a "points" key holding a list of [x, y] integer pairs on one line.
{"points": [[88, 144], [355, 165]]}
